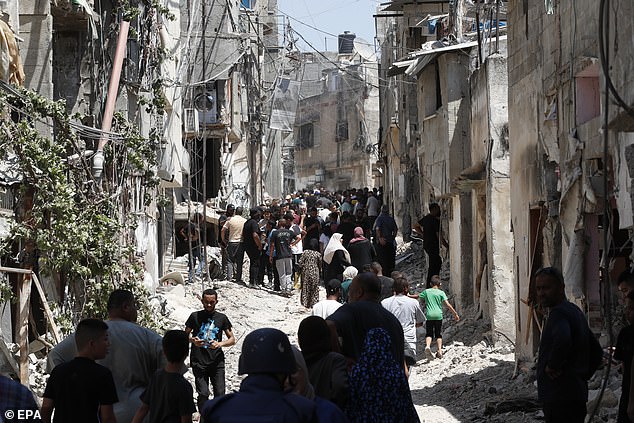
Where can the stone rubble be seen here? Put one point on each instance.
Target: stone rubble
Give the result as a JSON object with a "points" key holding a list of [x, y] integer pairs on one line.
{"points": [[474, 381]]}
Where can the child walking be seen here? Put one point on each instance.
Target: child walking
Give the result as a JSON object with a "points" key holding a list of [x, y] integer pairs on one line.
{"points": [[169, 397], [434, 299]]}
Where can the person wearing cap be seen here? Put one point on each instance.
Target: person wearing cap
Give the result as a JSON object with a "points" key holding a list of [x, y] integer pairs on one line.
{"points": [[268, 361]]}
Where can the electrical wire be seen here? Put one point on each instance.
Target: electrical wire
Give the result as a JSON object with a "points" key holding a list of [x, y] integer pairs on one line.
{"points": [[317, 29], [604, 61]]}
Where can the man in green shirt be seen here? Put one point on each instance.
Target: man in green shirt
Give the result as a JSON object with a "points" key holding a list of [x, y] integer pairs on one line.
{"points": [[434, 298]]}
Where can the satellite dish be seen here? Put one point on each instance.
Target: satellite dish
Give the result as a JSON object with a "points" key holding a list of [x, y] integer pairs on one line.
{"points": [[365, 49], [204, 102]]}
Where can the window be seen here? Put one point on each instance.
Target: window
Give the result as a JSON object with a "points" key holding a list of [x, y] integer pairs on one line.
{"points": [[588, 94], [247, 4], [306, 137], [342, 131]]}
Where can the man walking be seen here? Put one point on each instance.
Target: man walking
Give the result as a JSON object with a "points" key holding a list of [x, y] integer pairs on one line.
{"points": [[207, 358], [386, 229], [232, 231], [135, 353], [280, 252], [252, 245], [429, 228], [568, 352], [408, 312], [191, 234]]}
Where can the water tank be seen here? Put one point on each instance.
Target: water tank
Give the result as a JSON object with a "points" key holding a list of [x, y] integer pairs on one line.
{"points": [[346, 42]]}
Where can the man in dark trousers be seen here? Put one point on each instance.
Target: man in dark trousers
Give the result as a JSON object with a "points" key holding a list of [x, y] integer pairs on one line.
{"points": [[252, 245], [207, 358], [385, 230], [429, 228], [568, 352]]}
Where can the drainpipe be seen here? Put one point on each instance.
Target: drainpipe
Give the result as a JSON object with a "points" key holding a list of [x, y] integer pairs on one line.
{"points": [[113, 89]]}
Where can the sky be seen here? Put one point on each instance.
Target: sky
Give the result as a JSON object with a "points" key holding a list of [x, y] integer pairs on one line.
{"points": [[330, 16]]}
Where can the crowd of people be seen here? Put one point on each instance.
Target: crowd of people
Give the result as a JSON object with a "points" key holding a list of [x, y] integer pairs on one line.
{"points": [[355, 349], [308, 237]]}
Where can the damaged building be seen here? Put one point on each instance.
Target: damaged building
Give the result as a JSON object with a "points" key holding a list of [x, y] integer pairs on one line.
{"points": [[165, 107], [570, 124], [444, 138], [516, 117], [335, 126]]}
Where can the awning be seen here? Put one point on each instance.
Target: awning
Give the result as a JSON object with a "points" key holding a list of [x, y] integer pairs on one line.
{"points": [[399, 4]]}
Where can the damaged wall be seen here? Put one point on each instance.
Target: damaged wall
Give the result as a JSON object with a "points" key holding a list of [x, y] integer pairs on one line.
{"points": [[490, 145], [557, 163]]}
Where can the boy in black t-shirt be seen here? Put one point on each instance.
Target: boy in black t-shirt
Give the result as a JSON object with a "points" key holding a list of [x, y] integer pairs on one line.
{"points": [[82, 390], [169, 397], [207, 358]]}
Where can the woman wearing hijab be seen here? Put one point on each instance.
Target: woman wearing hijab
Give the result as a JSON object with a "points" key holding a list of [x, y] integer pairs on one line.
{"points": [[327, 370], [336, 257], [361, 250], [378, 387], [309, 264], [326, 411]]}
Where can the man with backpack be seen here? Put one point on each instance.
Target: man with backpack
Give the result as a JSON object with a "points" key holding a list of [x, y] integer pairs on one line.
{"points": [[569, 353]]}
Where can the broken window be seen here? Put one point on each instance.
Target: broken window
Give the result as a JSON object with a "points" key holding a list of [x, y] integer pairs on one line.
{"points": [[342, 131], [306, 136], [431, 90]]}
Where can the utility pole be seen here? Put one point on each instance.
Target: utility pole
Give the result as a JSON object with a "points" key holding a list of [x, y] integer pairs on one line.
{"points": [[204, 172]]}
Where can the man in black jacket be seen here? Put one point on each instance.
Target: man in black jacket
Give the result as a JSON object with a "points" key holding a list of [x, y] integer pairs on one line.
{"points": [[567, 352]]}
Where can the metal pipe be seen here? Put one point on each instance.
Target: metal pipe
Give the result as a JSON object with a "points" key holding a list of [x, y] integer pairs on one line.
{"points": [[113, 90]]}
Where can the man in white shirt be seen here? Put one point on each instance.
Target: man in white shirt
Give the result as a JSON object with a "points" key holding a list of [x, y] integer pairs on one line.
{"points": [[232, 232], [408, 311], [373, 207], [325, 308]]}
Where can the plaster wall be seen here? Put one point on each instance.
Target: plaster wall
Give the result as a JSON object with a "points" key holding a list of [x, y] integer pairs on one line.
{"points": [[554, 136], [346, 163], [36, 29]]}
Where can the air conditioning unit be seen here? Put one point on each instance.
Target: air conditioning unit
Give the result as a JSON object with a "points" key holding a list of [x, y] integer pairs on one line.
{"points": [[190, 122]]}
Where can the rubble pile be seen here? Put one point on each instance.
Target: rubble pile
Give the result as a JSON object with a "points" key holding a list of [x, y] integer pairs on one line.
{"points": [[474, 381]]}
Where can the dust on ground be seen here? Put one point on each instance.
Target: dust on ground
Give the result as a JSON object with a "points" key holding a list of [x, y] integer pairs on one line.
{"points": [[475, 381], [472, 375]]}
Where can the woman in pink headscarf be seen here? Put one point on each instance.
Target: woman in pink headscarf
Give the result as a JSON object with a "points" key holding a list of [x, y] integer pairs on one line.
{"points": [[361, 250]]}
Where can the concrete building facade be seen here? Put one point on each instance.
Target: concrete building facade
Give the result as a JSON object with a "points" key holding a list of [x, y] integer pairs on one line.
{"points": [[335, 129], [444, 138], [565, 139]]}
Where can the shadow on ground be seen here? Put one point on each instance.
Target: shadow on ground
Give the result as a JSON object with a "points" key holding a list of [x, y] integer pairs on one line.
{"points": [[487, 395]]}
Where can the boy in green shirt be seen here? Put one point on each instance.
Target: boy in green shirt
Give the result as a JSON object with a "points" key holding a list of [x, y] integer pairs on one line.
{"points": [[434, 298]]}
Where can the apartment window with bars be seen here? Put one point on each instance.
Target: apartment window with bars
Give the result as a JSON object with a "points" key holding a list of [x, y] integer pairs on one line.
{"points": [[6, 199]]}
